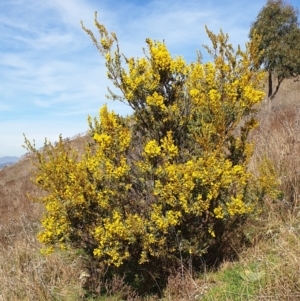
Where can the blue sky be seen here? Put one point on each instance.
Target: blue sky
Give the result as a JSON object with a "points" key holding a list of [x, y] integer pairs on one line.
{"points": [[52, 77]]}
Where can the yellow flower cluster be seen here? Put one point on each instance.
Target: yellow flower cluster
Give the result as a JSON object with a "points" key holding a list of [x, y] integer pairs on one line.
{"points": [[168, 146], [237, 206], [160, 55], [156, 100], [152, 149], [218, 211], [104, 140]]}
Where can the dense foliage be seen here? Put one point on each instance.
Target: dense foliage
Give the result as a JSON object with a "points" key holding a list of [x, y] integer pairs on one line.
{"points": [[168, 183], [277, 24]]}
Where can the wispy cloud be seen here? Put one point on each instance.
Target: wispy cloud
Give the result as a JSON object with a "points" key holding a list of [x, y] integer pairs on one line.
{"points": [[51, 75]]}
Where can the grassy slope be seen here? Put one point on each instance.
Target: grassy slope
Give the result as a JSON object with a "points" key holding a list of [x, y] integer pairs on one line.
{"points": [[269, 270]]}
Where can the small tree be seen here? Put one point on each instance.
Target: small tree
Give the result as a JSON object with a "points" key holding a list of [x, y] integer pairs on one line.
{"points": [[277, 23], [170, 183]]}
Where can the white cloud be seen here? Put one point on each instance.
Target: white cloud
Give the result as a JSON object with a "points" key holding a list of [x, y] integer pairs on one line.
{"points": [[37, 129], [52, 76]]}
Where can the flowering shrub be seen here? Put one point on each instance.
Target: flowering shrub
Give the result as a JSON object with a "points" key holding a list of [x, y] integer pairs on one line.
{"points": [[167, 182]]}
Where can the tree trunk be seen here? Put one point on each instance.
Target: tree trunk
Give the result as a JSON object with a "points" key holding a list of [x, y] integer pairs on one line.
{"points": [[270, 92]]}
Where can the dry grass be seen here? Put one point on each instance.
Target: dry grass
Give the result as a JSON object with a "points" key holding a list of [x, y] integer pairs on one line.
{"points": [[25, 274], [278, 137], [278, 255]]}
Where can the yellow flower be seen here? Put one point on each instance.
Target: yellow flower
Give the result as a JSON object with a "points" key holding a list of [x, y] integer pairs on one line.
{"points": [[156, 100], [211, 232], [218, 211], [152, 149], [167, 144], [104, 140]]}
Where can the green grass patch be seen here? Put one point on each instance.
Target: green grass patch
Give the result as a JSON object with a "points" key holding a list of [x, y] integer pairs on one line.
{"points": [[236, 282]]}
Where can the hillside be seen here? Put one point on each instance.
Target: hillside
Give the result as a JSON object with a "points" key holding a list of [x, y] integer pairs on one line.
{"points": [[267, 270]]}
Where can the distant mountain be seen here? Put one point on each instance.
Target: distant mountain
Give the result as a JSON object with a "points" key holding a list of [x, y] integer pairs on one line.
{"points": [[5, 161], [8, 159]]}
